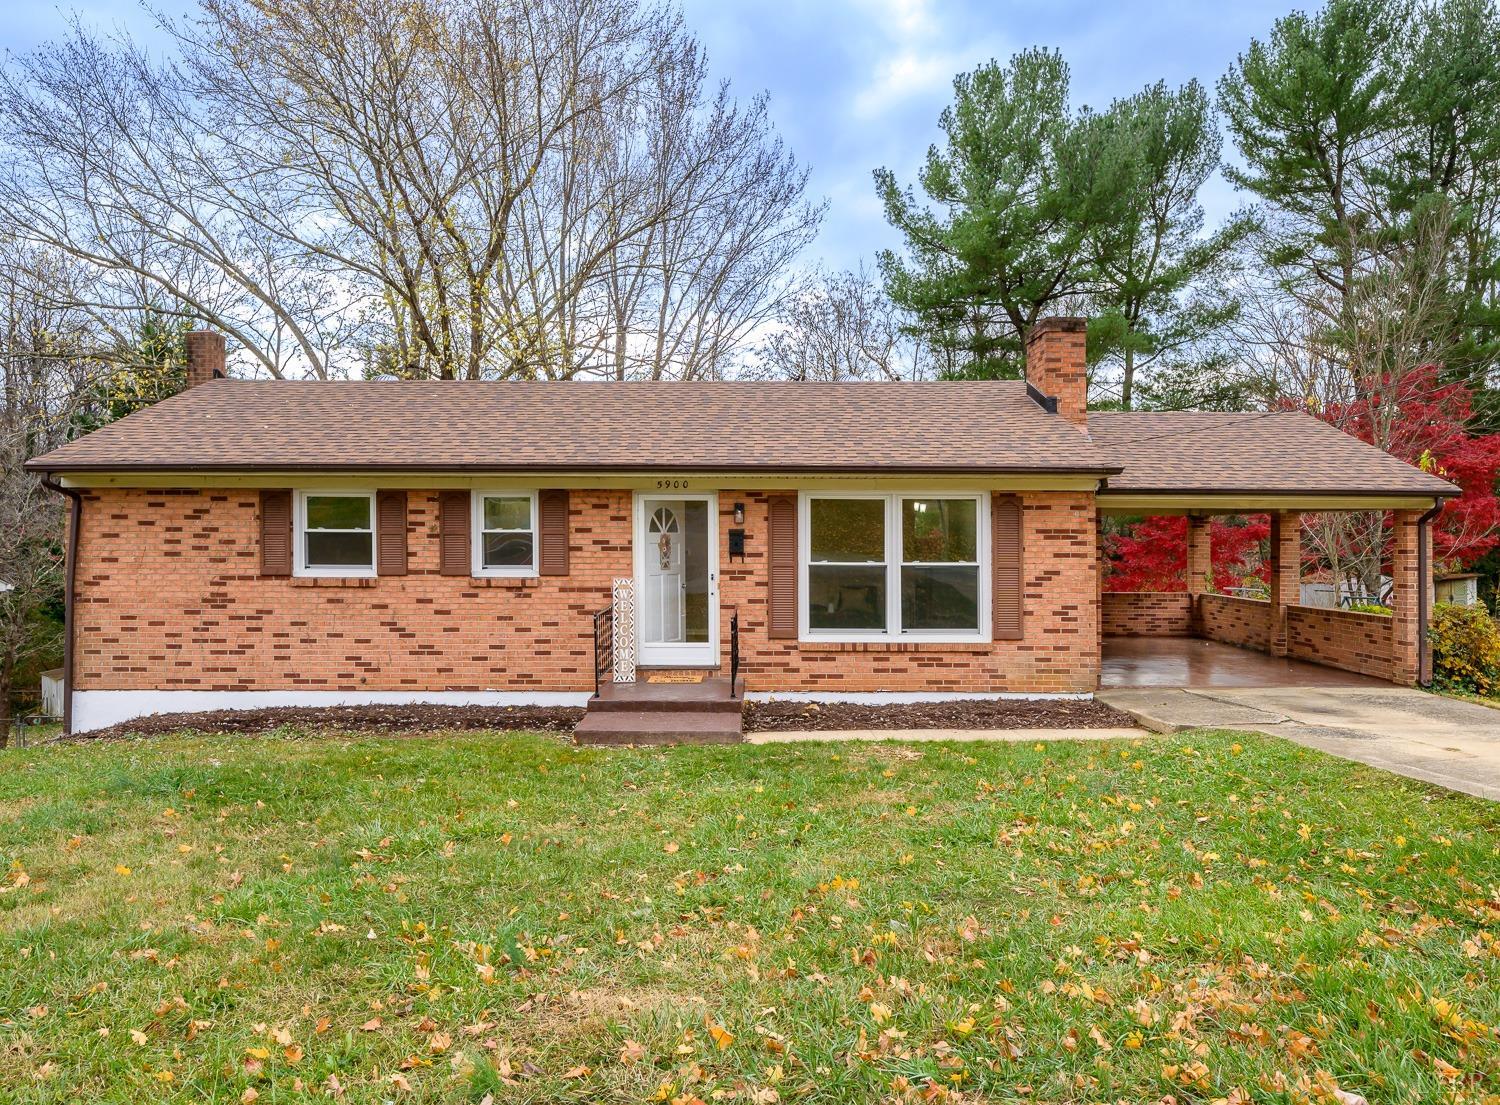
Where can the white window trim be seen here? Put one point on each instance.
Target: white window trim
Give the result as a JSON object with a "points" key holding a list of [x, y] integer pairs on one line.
{"points": [[300, 566], [893, 562], [476, 533]]}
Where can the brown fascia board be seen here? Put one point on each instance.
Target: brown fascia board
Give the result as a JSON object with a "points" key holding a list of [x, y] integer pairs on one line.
{"points": [[387, 469]]}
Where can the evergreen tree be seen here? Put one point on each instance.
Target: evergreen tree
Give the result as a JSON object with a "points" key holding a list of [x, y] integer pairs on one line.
{"points": [[151, 367], [1011, 201], [1152, 260], [1360, 126], [1032, 207], [1448, 145], [1306, 110]]}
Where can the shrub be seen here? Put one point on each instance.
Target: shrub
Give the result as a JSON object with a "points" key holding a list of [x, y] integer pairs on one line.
{"points": [[1369, 608], [1465, 649]]}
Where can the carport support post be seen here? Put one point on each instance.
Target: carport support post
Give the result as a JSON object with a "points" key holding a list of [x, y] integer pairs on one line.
{"points": [[1405, 632], [1200, 565], [1286, 575]]}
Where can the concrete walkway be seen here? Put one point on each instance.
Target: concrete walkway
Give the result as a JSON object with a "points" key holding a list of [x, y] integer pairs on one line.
{"points": [[1439, 740]]}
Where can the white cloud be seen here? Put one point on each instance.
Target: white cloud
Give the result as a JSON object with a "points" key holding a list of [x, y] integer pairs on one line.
{"points": [[918, 46], [907, 75], [901, 18]]}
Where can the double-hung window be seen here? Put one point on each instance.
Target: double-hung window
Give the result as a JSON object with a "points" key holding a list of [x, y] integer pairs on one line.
{"points": [[335, 533], [504, 533], [895, 567]]}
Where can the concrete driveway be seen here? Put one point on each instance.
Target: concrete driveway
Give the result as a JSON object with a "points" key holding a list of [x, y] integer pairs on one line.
{"points": [[1423, 736]]}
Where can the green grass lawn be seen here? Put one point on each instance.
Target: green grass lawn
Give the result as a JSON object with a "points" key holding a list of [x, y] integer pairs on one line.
{"points": [[286, 919]]}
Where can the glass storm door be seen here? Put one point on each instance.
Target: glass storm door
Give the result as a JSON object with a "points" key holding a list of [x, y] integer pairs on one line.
{"points": [[677, 576]]}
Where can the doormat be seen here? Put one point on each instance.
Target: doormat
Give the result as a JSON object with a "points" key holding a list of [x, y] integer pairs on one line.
{"points": [[676, 676]]}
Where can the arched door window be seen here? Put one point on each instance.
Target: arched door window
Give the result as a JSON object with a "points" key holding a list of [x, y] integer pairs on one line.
{"points": [[663, 528]]}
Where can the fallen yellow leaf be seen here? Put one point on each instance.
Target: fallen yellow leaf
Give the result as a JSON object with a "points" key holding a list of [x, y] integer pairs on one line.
{"points": [[721, 1038]]}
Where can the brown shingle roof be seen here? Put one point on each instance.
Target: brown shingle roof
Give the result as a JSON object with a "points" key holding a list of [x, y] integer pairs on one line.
{"points": [[229, 425], [957, 426], [1269, 453]]}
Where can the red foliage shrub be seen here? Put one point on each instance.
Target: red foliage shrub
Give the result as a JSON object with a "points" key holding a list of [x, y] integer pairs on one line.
{"points": [[1425, 422], [1152, 555]]}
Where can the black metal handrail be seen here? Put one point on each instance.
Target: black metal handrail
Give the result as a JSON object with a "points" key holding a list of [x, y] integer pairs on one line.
{"points": [[734, 649], [604, 646]]}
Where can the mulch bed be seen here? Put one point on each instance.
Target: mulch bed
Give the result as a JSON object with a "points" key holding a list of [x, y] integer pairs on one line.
{"points": [[1005, 713], [415, 720], [419, 720]]}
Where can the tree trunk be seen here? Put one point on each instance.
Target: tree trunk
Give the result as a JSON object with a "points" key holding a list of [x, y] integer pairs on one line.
{"points": [[7, 677]]}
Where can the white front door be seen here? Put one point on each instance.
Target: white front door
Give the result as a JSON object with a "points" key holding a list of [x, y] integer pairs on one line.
{"points": [[677, 570]]}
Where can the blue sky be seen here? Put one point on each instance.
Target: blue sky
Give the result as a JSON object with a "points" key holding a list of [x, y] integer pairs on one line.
{"points": [[857, 84]]}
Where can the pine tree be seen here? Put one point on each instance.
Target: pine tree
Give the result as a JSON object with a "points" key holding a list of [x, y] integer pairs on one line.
{"points": [[1150, 307], [1032, 207], [150, 368], [1010, 203]]}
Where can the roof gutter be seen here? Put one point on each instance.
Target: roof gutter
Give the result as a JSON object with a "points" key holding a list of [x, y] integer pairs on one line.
{"points": [[70, 574], [1447, 492], [42, 464]]}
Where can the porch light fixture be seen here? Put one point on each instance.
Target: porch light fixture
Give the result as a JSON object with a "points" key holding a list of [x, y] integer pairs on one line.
{"points": [[739, 514]]}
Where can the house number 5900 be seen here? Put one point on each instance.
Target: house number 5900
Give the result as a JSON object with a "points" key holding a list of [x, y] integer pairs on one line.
{"points": [[674, 484]]}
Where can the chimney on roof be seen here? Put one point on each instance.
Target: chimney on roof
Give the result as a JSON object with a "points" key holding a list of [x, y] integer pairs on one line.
{"points": [[205, 356], [1056, 366]]}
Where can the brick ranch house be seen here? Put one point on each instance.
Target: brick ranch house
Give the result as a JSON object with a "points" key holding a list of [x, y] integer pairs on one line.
{"points": [[260, 543]]}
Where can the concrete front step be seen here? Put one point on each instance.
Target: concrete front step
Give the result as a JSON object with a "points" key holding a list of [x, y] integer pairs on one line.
{"points": [[709, 696], [658, 726]]}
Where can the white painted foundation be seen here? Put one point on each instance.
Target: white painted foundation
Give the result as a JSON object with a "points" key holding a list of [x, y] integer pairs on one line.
{"points": [[99, 709]]}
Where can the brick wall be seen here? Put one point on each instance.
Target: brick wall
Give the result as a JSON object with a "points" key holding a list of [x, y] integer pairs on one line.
{"points": [[1057, 365], [1147, 614], [1343, 639], [169, 597], [1235, 621], [1405, 637], [1059, 651]]}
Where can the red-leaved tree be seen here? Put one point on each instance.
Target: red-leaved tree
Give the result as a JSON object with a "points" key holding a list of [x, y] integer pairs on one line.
{"points": [[1425, 423], [1151, 554]]}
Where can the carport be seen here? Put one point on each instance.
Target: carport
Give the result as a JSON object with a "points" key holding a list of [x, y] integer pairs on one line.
{"points": [[1284, 465], [1198, 663]]}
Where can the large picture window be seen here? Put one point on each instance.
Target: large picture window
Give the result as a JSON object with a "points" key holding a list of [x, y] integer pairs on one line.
{"points": [[894, 566], [504, 533], [336, 533]]}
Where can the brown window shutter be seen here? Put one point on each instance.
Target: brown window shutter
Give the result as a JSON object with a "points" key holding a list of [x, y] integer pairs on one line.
{"points": [[455, 557], [390, 533], [276, 533], [782, 550], [1005, 536], [552, 532]]}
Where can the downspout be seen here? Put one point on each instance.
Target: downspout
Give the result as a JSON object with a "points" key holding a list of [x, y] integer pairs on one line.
{"points": [[70, 570], [1424, 612]]}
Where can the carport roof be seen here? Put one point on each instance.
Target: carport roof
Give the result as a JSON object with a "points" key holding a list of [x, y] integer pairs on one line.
{"points": [[1262, 453]]}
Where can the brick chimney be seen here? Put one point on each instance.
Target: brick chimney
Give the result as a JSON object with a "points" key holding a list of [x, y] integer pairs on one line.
{"points": [[1056, 365], [205, 356]]}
